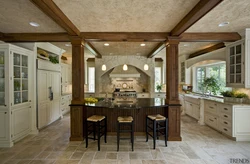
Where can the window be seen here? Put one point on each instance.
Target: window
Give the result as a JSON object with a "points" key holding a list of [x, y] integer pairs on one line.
{"points": [[91, 79], [157, 76], [217, 70]]}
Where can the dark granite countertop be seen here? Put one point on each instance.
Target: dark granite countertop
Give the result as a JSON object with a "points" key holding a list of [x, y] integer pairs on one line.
{"points": [[127, 103]]}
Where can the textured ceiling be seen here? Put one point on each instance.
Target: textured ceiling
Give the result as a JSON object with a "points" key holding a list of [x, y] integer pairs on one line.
{"points": [[125, 15], [124, 48], [15, 16], [236, 12], [188, 48]]}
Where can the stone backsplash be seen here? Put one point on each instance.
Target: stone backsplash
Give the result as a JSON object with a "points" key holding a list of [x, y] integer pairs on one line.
{"points": [[124, 84]]}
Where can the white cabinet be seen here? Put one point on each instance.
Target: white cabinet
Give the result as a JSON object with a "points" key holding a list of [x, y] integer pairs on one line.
{"points": [[143, 95], [65, 102], [49, 95], [16, 86], [230, 119], [192, 107], [238, 63], [182, 102], [160, 95], [4, 127], [66, 71]]}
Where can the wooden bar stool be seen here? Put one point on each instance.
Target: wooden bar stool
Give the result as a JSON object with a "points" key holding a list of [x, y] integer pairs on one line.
{"points": [[157, 124], [126, 121], [96, 125]]}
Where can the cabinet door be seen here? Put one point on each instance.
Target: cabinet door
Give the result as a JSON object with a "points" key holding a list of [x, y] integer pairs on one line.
{"points": [[4, 101], [4, 126], [55, 83], [43, 86], [43, 114], [63, 74], [196, 111], [235, 66], [20, 77], [55, 110], [20, 122], [188, 108]]}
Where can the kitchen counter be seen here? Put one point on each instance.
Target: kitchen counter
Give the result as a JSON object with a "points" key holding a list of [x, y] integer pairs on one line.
{"points": [[217, 99], [138, 108], [133, 103]]}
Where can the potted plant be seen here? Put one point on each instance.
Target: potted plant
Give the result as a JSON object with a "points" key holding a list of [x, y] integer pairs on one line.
{"points": [[211, 85], [232, 96], [158, 87]]}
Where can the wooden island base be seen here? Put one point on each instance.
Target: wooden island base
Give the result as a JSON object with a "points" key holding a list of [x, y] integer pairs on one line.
{"points": [[81, 112]]}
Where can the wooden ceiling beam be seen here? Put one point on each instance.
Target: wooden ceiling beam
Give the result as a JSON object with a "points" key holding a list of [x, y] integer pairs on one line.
{"points": [[200, 9], [54, 12], [125, 36], [207, 50], [35, 37], [210, 37], [92, 49], [156, 50]]}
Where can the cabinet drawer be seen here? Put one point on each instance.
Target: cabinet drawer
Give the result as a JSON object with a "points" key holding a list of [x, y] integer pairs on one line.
{"points": [[143, 95], [226, 130], [225, 108], [192, 100], [160, 95], [226, 117], [211, 107], [226, 123], [211, 121]]}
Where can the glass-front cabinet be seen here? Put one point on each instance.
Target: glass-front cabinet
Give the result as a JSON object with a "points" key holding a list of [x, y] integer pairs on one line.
{"points": [[15, 93], [2, 77], [20, 78], [235, 64]]}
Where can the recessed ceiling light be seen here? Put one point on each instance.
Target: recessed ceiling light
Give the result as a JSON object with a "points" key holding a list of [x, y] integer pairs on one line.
{"points": [[34, 24], [138, 53], [106, 44], [67, 45], [223, 24], [143, 44], [185, 45], [111, 53]]}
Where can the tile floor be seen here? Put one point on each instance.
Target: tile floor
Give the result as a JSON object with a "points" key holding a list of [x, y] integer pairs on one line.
{"points": [[200, 145]]}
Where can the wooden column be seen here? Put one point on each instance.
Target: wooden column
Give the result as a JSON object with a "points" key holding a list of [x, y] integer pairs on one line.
{"points": [[172, 96], [77, 112]]}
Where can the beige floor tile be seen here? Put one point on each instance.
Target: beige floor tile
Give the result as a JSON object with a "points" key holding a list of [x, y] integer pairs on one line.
{"points": [[111, 156], [200, 144], [154, 162]]}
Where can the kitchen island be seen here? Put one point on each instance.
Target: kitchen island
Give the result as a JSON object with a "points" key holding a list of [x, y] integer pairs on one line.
{"points": [[138, 108]]}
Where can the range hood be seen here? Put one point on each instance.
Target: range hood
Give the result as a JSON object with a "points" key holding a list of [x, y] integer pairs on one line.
{"points": [[119, 72]]}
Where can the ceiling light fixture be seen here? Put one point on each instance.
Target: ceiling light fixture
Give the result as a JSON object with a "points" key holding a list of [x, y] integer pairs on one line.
{"points": [[106, 44], [68, 45], [223, 24], [125, 67], [104, 67], [34, 24], [145, 67], [143, 44]]}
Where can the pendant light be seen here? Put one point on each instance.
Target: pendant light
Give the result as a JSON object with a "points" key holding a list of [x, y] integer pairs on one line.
{"points": [[104, 67], [145, 67], [125, 67]]}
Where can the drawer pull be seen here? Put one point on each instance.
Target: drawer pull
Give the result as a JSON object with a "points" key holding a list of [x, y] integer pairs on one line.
{"points": [[211, 107], [225, 129], [225, 109], [190, 104], [211, 120], [225, 122], [226, 116], [215, 104], [62, 103]]}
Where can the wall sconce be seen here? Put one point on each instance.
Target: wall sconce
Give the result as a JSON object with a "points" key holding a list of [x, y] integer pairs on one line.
{"points": [[145, 67], [104, 67], [125, 67]]}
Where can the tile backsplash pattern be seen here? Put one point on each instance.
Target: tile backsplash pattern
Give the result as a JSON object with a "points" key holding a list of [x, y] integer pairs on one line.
{"points": [[125, 84]]}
